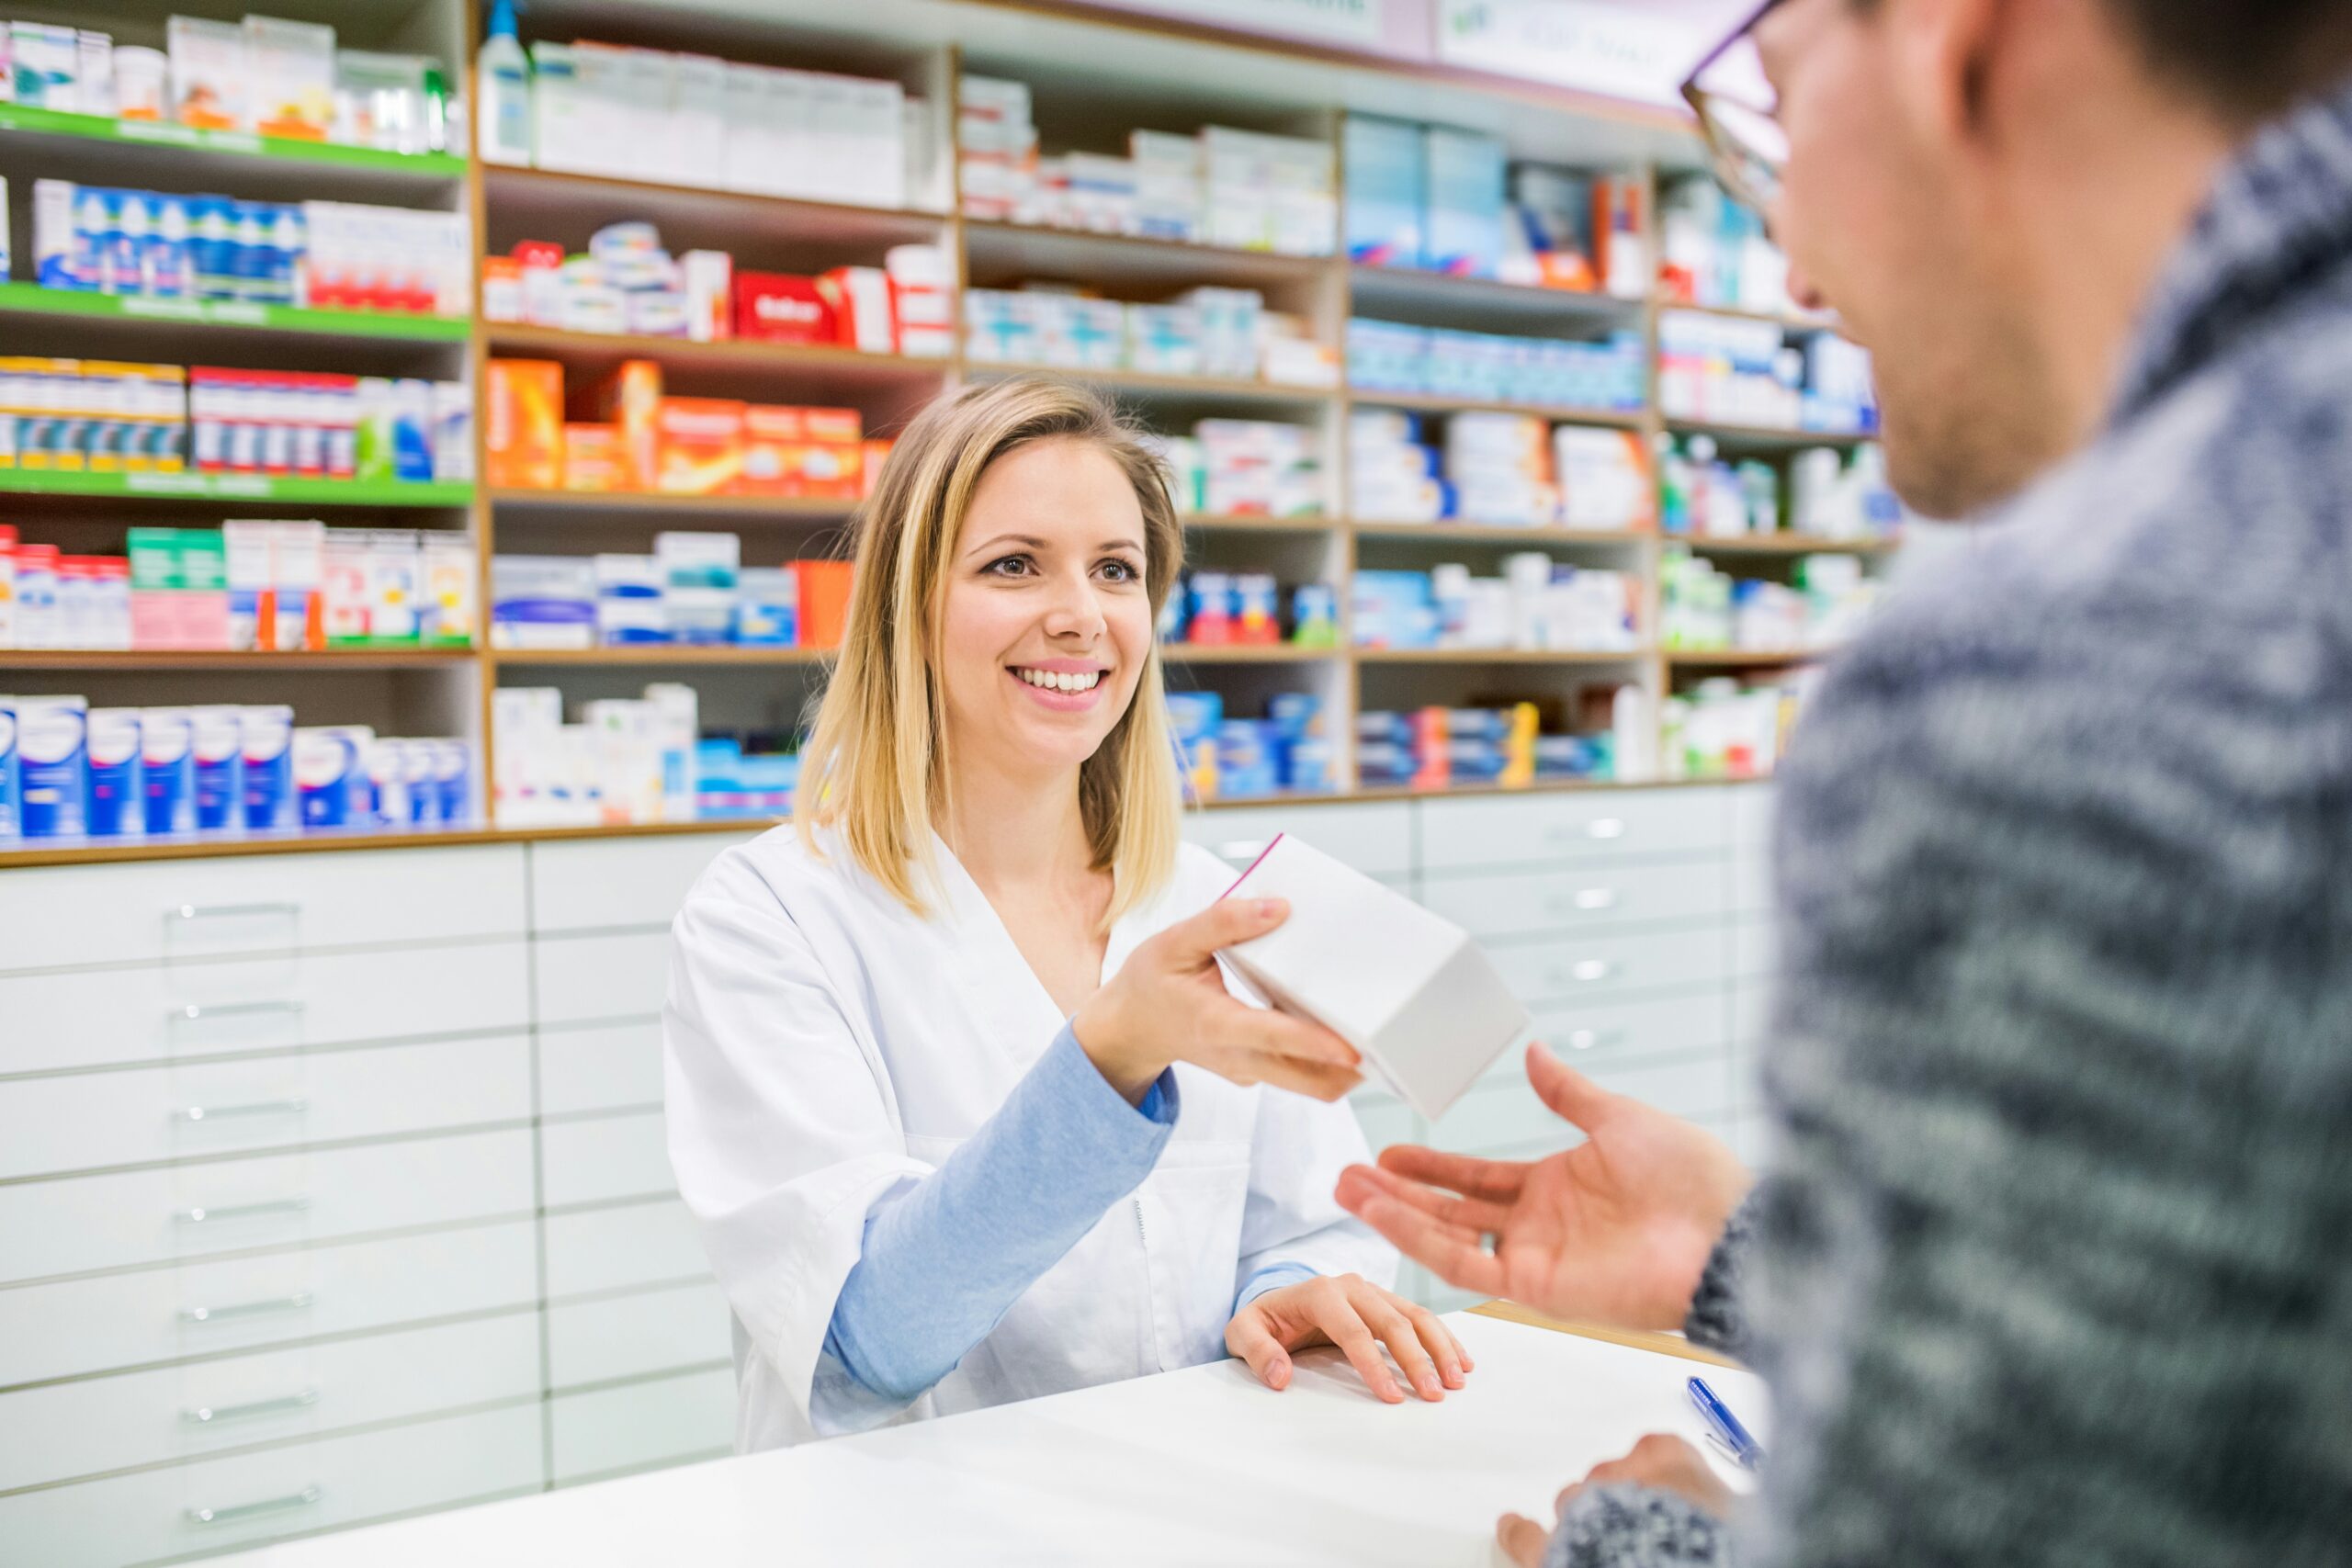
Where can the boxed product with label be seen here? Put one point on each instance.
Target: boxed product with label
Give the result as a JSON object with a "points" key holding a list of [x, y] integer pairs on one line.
{"points": [[630, 400], [697, 446], [523, 424], [45, 63], [289, 78], [822, 598], [699, 576], [207, 64], [1408, 989], [1386, 192], [803, 452], [774, 307], [542, 602], [1464, 186], [860, 299], [594, 461]]}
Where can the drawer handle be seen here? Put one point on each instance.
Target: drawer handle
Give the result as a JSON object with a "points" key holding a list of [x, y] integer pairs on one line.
{"points": [[235, 1511], [294, 1107], [224, 911], [205, 1414], [1590, 1039], [198, 1216], [233, 1009], [1588, 900], [1585, 971], [1605, 828], [298, 1301], [1242, 852]]}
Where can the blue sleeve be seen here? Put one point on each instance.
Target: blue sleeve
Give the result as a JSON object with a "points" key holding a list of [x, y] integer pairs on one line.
{"points": [[1272, 1277], [944, 1262]]}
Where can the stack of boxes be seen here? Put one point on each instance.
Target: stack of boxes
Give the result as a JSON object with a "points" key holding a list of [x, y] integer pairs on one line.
{"points": [[1241, 189], [1227, 758], [1714, 252], [1245, 467], [1537, 604], [1437, 748], [628, 762], [1734, 372], [1217, 609], [649, 441], [692, 591], [1498, 470], [1222, 333], [1388, 357], [1705, 610], [1442, 200]]}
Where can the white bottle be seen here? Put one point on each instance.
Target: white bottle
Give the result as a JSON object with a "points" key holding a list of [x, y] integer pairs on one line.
{"points": [[503, 74]]}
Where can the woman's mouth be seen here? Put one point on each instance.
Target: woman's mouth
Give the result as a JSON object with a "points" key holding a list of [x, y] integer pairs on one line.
{"points": [[1067, 691]]}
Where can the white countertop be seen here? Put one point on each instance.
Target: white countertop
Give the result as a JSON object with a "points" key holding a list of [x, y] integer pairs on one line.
{"points": [[1195, 1467]]}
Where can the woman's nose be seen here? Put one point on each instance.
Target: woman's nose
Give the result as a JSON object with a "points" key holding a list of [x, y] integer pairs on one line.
{"points": [[1074, 612]]}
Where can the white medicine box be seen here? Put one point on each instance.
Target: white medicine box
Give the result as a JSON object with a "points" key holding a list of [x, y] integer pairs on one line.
{"points": [[1409, 989]]}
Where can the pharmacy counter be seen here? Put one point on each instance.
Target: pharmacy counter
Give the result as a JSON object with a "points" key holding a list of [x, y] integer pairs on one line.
{"points": [[1193, 1467]]}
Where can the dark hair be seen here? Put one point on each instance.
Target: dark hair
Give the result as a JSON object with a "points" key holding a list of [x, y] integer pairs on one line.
{"points": [[2247, 59]]}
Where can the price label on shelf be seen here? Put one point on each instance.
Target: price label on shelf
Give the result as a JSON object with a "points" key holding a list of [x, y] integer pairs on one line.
{"points": [[1623, 51]]}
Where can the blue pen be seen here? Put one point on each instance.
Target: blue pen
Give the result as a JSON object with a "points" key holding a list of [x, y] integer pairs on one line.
{"points": [[1744, 1450]]}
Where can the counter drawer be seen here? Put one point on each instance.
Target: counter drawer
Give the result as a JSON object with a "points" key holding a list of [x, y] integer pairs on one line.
{"points": [[177, 1412], [668, 1421], [606, 1159], [1571, 969], [174, 1012], [52, 915], [1375, 838], [1509, 1119], [217, 1504], [186, 1211], [1755, 948], [1585, 1034], [624, 881], [624, 1337], [1500, 831], [72, 1327], [611, 1066], [91, 1120], [589, 979], [637, 1244], [1589, 898]]}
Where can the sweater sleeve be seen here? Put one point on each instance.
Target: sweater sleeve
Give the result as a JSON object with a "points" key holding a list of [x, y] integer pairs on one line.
{"points": [[1718, 1317], [944, 1260], [1636, 1527]]}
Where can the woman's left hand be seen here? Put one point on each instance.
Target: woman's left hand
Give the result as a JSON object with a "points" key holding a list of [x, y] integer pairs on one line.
{"points": [[1357, 1316]]}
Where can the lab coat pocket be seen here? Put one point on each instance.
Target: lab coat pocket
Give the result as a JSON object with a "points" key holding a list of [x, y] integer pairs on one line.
{"points": [[1188, 1212]]}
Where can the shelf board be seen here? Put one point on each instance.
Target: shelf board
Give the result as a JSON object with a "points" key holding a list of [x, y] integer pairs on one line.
{"points": [[159, 659], [812, 359], [1494, 655], [1791, 321], [32, 299], [524, 191], [1404, 288], [1246, 653], [653, 503], [1742, 659], [1249, 523], [1768, 435], [145, 135], [236, 487], [1206, 387], [1483, 533], [1430, 402], [646, 654], [1783, 544], [1036, 245]]}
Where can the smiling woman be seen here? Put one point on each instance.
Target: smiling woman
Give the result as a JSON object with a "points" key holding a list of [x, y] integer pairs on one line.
{"points": [[957, 1094]]}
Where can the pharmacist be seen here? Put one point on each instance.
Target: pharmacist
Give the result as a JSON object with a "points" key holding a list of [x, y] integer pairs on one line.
{"points": [[957, 1099]]}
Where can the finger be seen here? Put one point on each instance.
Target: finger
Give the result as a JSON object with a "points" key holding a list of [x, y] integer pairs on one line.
{"points": [[1317, 1080], [1248, 1338], [1567, 1495], [1404, 1341], [1226, 923], [1272, 1034], [1443, 1349], [1343, 1326], [1498, 1181], [1474, 1215], [1452, 1254], [1570, 1094], [1523, 1540]]}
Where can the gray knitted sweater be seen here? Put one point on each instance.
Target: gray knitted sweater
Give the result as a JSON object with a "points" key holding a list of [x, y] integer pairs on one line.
{"points": [[2054, 1266]]}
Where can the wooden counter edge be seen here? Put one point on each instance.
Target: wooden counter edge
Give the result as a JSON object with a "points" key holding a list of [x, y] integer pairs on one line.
{"points": [[1663, 1344]]}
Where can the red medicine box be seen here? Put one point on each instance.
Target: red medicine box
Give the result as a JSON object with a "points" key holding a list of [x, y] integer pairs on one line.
{"points": [[774, 307]]}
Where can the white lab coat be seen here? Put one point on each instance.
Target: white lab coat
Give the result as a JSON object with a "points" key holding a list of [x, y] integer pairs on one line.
{"points": [[825, 1048]]}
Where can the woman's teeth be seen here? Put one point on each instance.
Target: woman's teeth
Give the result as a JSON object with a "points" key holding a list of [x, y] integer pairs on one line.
{"points": [[1053, 680]]}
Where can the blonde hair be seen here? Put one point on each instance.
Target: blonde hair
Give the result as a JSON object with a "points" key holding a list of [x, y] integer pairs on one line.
{"points": [[875, 767]]}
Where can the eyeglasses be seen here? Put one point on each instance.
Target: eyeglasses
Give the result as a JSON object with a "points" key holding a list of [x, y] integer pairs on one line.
{"points": [[1739, 115]]}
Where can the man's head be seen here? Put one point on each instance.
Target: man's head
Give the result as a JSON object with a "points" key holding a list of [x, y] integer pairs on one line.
{"points": [[1985, 190]]}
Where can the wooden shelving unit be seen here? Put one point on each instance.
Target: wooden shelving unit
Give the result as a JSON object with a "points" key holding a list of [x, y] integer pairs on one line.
{"points": [[508, 202]]}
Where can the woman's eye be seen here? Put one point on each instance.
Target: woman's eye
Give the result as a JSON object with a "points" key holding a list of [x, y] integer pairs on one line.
{"points": [[1009, 566], [1121, 571]]}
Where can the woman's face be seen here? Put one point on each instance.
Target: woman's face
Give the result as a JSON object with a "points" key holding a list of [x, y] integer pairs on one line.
{"points": [[1046, 623]]}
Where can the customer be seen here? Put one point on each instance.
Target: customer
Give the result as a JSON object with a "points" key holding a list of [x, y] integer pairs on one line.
{"points": [[2054, 1265]]}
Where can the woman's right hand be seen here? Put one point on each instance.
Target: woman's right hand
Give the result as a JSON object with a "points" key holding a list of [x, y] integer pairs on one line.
{"points": [[1168, 1003]]}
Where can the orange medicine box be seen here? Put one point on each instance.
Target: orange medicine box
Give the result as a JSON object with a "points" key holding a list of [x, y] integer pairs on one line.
{"points": [[806, 452], [631, 399], [697, 446], [824, 588], [523, 424], [592, 460]]}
